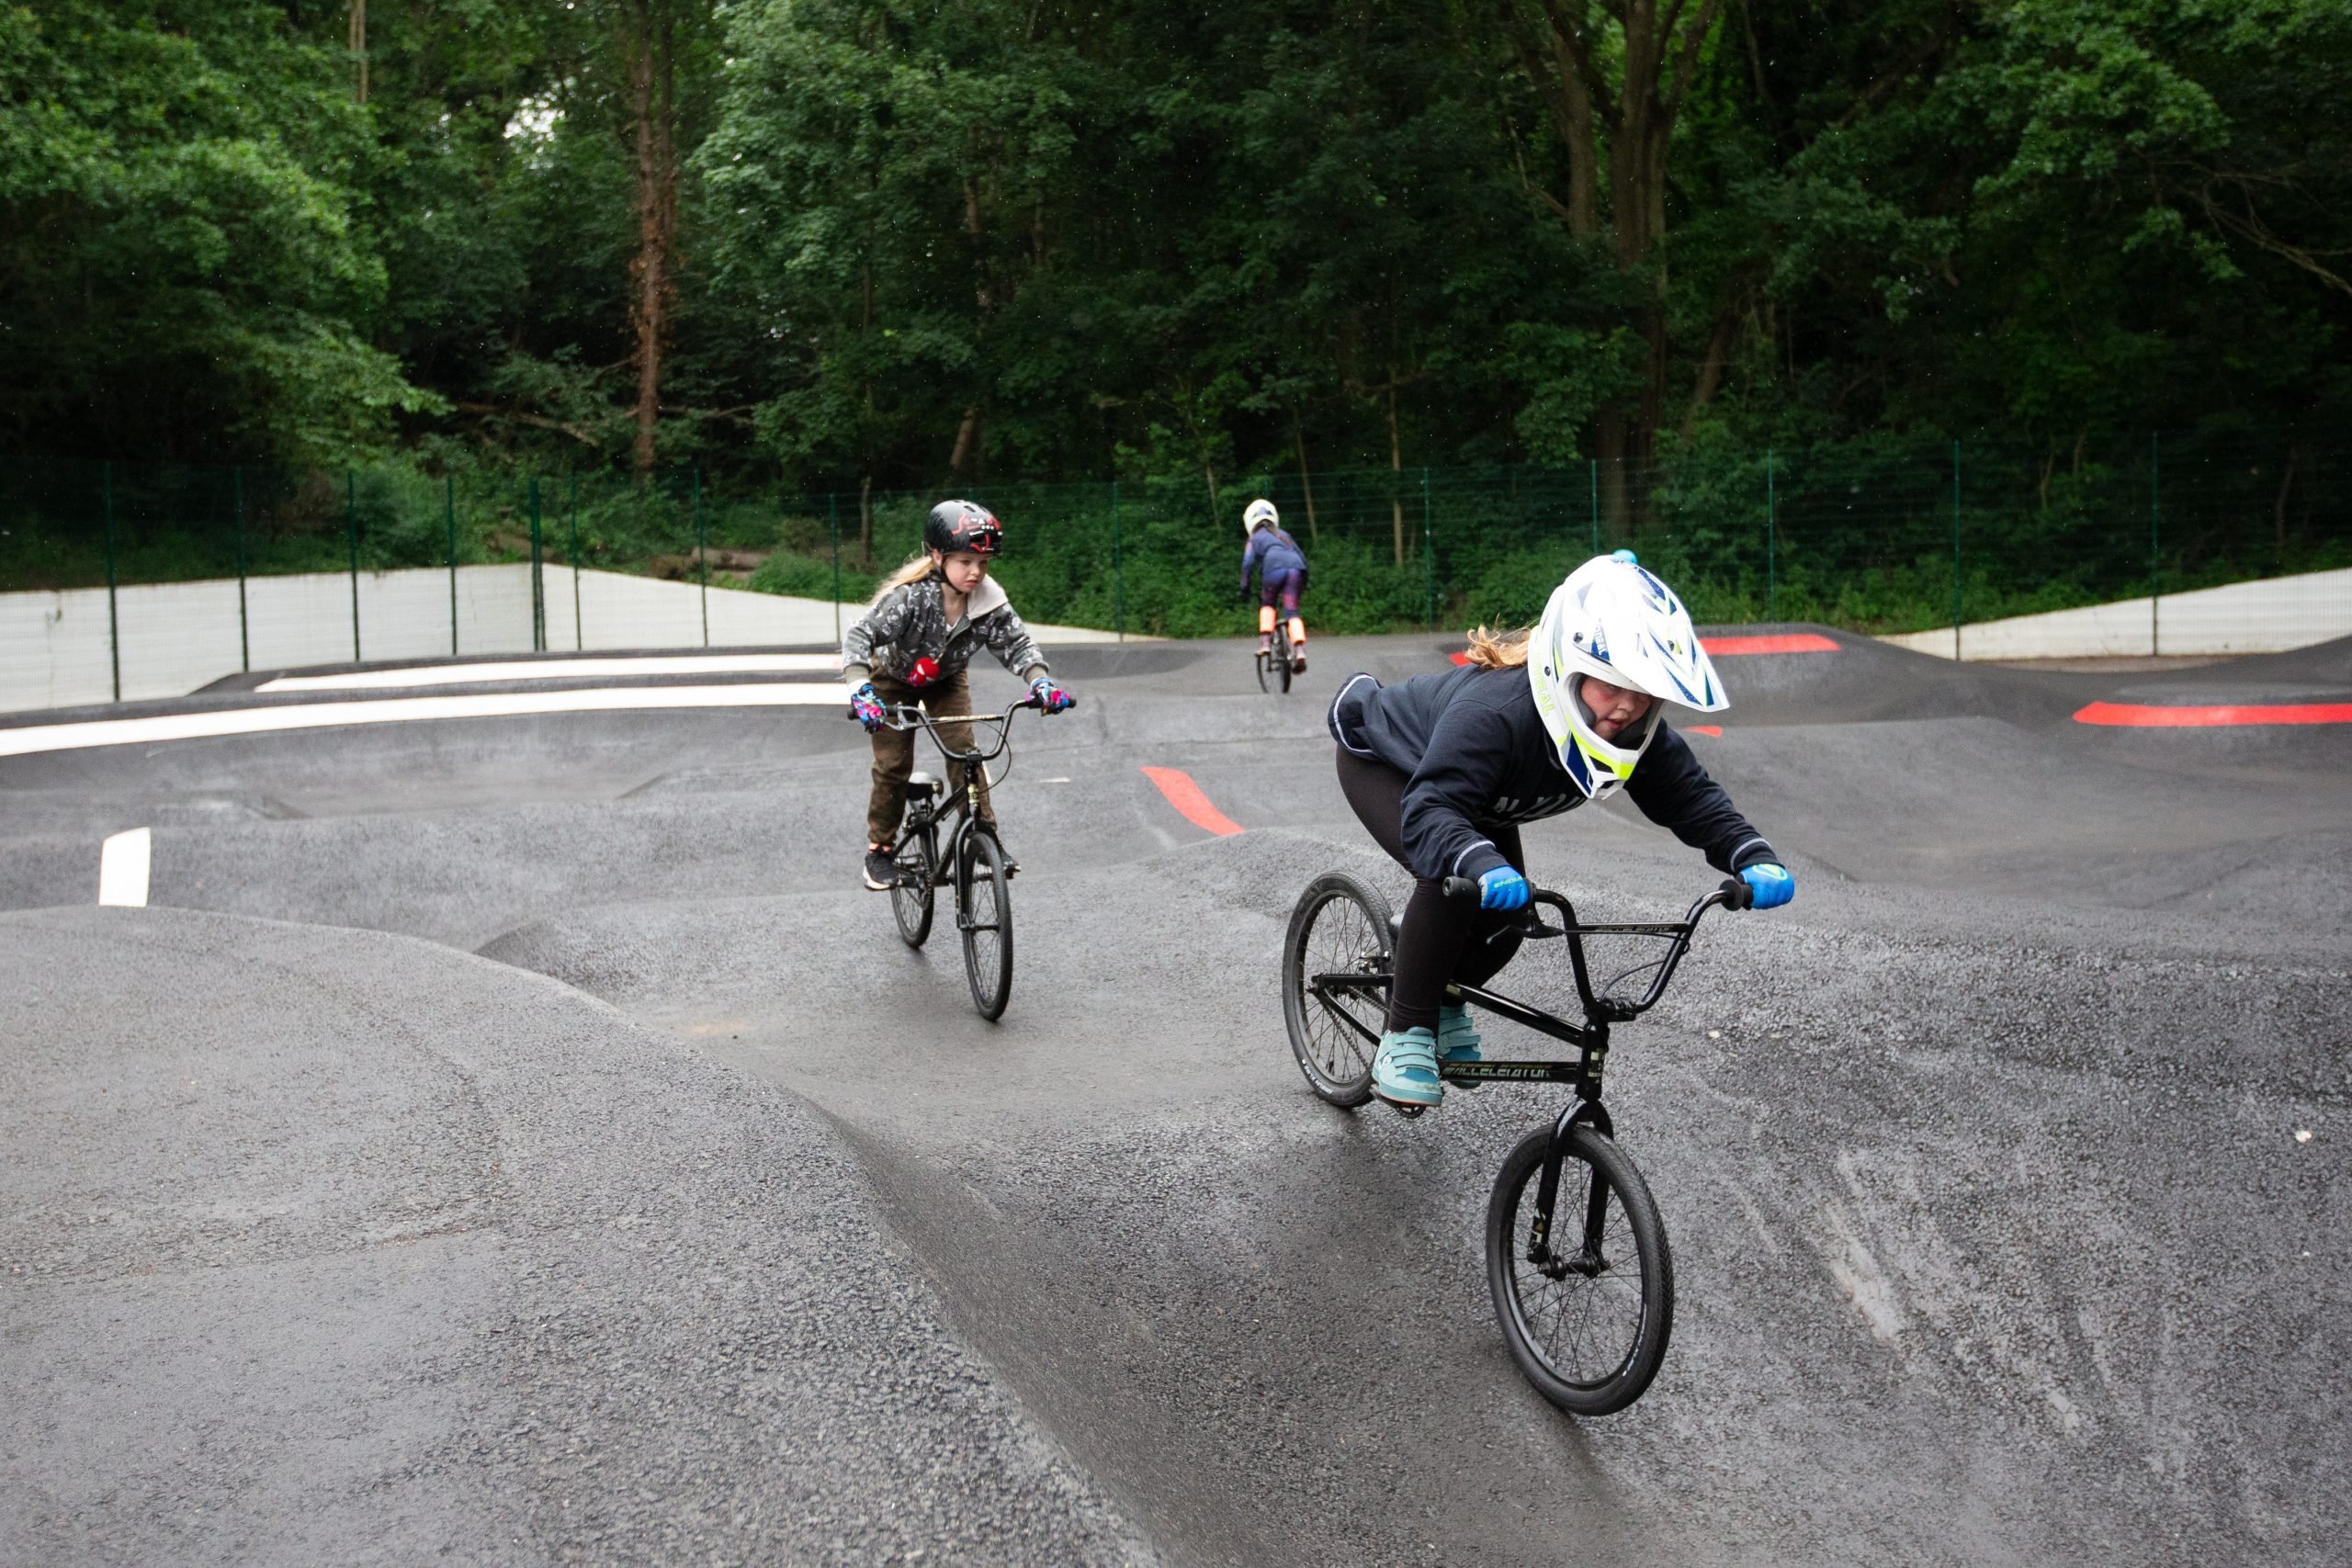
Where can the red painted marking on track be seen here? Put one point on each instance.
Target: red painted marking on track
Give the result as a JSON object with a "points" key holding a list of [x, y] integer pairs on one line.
{"points": [[1703, 730], [1769, 642], [1459, 658], [1190, 802], [2141, 715]]}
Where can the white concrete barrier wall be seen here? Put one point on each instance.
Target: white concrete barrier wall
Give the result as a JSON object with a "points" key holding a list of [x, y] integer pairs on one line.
{"points": [[2268, 617], [177, 636]]}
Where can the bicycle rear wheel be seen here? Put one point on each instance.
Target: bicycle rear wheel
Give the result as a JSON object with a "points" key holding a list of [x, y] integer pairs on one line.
{"points": [[984, 912], [910, 900], [1340, 927], [1281, 661], [1587, 1326]]}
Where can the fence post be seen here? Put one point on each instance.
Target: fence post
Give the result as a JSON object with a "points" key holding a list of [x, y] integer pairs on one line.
{"points": [[538, 580], [1955, 552], [114, 625], [1118, 570], [2155, 580], [351, 531], [1428, 551], [1771, 544], [1593, 470], [703, 555], [449, 511], [571, 522], [244, 626], [834, 515]]}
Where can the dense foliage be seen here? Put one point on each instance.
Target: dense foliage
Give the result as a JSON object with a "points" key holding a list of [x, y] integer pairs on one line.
{"points": [[851, 244]]}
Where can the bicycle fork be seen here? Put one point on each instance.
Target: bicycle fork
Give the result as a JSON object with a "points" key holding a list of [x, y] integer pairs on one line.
{"points": [[1587, 1260]]}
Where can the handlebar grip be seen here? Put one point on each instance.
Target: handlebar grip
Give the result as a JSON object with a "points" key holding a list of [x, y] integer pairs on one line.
{"points": [[1458, 887], [1738, 894]]}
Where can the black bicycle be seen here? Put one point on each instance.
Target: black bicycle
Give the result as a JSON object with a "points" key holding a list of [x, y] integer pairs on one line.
{"points": [[1586, 1315], [975, 859], [1274, 666]]}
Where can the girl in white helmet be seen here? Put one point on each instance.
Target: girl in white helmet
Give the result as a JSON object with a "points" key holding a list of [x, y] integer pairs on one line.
{"points": [[1281, 566], [1442, 768]]}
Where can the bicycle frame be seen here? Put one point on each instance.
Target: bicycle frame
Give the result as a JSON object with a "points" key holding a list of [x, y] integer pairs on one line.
{"points": [[1582, 1072], [966, 805]]}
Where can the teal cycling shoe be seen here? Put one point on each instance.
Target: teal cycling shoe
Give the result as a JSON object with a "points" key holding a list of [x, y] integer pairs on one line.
{"points": [[1404, 1071], [1457, 1039]]}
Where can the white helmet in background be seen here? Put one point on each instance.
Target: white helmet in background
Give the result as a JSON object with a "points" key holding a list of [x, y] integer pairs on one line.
{"points": [[1261, 513], [1613, 619]]}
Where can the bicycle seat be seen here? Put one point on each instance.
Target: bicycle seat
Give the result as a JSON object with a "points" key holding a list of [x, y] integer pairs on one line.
{"points": [[919, 784]]}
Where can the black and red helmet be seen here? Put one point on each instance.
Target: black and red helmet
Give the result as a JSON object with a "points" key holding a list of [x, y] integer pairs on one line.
{"points": [[962, 527]]}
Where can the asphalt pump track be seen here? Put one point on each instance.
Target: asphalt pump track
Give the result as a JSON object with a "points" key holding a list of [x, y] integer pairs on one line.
{"points": [[520, 1139]]}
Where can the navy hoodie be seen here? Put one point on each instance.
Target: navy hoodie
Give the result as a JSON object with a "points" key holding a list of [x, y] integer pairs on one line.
{"points": [[1476, 756]]}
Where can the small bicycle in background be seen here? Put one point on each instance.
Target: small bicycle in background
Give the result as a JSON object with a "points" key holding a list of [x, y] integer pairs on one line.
{"points": [[1273, 670], [1586, 1314], [975, 860]]}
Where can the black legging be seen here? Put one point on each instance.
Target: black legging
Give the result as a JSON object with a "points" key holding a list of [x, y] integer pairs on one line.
{"points": [[1444, 938]]}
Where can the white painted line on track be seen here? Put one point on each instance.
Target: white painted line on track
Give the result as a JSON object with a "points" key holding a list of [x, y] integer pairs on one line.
{"points": [[216, 722], [559, 670], [123, 860]]}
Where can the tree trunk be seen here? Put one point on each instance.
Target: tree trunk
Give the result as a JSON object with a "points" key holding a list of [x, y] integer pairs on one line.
{"points": [[1711, 370], [1396, 467], [359, 44], [967, 438], [1635, 107], [1305, 485], [653, 105], [865, 524]]}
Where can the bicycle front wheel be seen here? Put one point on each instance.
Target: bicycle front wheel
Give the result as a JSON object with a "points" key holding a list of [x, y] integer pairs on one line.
{"points": [[1336, 961], [1284, 661], [1587, 1323], [984, 911], [910, 900], [1261, 674]]}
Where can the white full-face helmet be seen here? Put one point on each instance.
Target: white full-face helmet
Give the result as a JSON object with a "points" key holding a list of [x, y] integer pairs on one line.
{"points": [[1260, 513], [1613, 619]]}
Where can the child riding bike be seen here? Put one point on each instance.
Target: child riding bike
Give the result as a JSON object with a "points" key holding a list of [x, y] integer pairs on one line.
{"points": [[1442, 768], [913, 645], [1281, 566]]}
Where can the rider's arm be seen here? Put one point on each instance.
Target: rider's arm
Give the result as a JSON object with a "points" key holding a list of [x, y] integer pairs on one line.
{"points": [[1675, 792], [1009, 640], [883, 624], [1250, 558], [1468, 756]]}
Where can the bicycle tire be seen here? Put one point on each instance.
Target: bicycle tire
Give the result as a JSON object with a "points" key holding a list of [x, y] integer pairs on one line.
{"points": [[910, 901], [1338, 924], [1548, 1351], [988, 948], [1262, 661], [1284, 663]]}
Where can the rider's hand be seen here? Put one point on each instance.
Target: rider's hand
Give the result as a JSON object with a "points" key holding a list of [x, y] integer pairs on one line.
{"points": [[1052, 698], [865, 706], [1773, 885], [1502, 888]]}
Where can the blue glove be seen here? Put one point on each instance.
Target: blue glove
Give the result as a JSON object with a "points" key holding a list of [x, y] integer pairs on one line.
{"points": [[1773, 885], [1502, 888], [1052, 696], [865, 706]]}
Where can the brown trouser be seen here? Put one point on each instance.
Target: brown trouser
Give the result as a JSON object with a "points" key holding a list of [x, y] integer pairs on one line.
{"points": [[894, 751]]}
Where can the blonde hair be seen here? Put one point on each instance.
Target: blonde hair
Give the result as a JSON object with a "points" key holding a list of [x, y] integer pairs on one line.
{"points": [[917, 567], [1491, 650]]}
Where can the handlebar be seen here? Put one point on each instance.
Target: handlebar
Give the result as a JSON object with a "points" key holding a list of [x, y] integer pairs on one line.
{"points": [[909, 716], [1733, 894]]}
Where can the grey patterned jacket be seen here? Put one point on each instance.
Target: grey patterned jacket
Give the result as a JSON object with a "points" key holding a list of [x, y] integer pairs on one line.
{"points": [[910, 623]]}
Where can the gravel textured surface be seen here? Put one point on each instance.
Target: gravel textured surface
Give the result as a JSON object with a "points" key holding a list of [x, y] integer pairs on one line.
{"points": [[2005, 1171]]}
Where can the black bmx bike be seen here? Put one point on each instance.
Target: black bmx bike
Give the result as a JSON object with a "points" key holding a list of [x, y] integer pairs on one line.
{"points": [[1586, 1306], [944, 839], [1273, 669]]}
